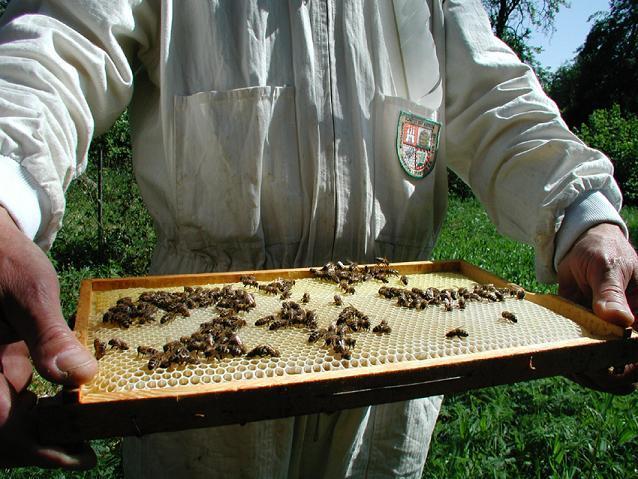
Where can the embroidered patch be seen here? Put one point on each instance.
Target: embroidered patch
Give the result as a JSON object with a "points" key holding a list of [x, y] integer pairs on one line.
{"points": [[417, 144]]}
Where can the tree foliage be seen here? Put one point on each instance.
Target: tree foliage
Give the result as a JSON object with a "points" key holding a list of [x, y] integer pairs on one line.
{"points": [[614, 133], [605, 69]]}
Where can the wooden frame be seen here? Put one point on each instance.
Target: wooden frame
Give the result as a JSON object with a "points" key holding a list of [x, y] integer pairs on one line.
{"points": [[69, 418]]}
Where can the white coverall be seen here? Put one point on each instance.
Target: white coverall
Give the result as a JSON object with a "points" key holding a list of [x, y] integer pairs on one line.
{"points": [[268, 134]]}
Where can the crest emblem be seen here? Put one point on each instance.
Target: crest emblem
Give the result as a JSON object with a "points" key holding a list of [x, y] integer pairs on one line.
{"points": [[417, 144]]}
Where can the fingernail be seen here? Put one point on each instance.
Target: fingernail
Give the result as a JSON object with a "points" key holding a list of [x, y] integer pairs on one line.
{"points": [[73, 361], [615, 310], [615, 307]]}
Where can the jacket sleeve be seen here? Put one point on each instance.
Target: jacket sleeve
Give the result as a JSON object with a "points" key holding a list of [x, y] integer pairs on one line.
{"points": [[67, 73], [506, 139]]}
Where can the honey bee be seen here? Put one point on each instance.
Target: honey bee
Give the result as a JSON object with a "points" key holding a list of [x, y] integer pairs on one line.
{"points": [[382, 328], [168, 317], [277, 325], [458, 333], [100, 348], [382, 260], [249, 280], [305, 299], [347, 288], [146, 351], [116, 343], [154, 361], [338, 300], [265, 320], [263, 350], [520, 293], [509, 316], [315, 335], [341, 348], [404, 280]]}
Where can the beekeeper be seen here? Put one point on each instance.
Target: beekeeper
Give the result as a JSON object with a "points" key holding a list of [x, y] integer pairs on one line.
{"points": [[272, 134]]}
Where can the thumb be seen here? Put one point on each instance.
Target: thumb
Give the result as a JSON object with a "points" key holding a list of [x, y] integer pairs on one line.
{"points": [[609, 299], [55, 350], [30, 306]]}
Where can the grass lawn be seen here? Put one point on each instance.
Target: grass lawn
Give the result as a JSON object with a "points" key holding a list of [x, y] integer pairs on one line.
{"points": [[546, 428]]}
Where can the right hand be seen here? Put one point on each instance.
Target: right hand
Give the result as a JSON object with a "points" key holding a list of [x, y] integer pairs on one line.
{"points": [[31, 321]]}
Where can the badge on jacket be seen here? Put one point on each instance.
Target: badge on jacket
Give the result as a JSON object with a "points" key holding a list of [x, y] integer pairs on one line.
{"points": [[417, 144]]}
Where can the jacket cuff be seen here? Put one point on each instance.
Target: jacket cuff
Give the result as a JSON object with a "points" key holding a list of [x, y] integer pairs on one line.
{"points": [[589, 209], [20, 196]]}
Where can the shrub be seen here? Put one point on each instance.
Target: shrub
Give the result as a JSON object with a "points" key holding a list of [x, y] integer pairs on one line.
{"points": [[615, 134], [115, 144]]}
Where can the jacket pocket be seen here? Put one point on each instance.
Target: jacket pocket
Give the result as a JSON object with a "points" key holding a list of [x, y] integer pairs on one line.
{"points": [[409, 180], [237, 167]]}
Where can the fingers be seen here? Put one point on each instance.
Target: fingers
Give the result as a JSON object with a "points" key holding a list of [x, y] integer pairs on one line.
{"points": [[30, 306], [17, 436], [16, 365], [33, 311], [605, 381], [601, 271]]}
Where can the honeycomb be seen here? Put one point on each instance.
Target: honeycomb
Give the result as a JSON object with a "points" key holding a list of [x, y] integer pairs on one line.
{"points": [[416, 335]]}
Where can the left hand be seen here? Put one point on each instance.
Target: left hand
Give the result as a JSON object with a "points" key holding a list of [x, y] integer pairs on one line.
{"points": [[601, 271]]}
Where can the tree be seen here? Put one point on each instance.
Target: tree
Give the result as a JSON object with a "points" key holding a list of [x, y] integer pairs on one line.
{"points": [[512, 21], [514, 17], [605, 69], [614, 132]]}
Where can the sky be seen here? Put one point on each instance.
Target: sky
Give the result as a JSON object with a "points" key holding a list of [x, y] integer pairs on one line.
{"points": [[572, 28]]}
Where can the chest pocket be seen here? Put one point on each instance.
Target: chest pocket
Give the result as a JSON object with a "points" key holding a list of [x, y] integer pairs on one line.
{"points": [[237, 166], [409, 178]]}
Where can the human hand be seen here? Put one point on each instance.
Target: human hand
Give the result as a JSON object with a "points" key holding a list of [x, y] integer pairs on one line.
{"points": [[601, 272], [31, 320]]}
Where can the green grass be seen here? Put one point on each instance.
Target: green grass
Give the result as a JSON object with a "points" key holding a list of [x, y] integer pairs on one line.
{"points": [[545, 428]]}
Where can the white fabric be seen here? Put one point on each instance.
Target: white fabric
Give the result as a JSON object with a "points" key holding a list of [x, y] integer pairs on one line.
{"points": [[500, 132], [385, 441], [589, 209], [264, 135], [19, 197]]}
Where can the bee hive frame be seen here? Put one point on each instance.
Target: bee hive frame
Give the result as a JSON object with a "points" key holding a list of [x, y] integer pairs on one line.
{"points": [[90, 413]]}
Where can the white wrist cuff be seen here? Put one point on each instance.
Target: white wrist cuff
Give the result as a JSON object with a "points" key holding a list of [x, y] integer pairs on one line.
{"points": [[19, 196], [589, 209]]}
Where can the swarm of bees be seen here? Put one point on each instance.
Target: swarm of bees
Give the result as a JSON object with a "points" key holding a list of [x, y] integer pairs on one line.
{"points": [[280, 286], [214, 339], [291, 315], [448, 298], [127, 312], [346, 275], [218, 338], [338, 335]]}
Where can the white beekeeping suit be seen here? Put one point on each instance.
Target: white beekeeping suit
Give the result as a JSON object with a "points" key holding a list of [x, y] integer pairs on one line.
{"points": [[285, 133]]}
